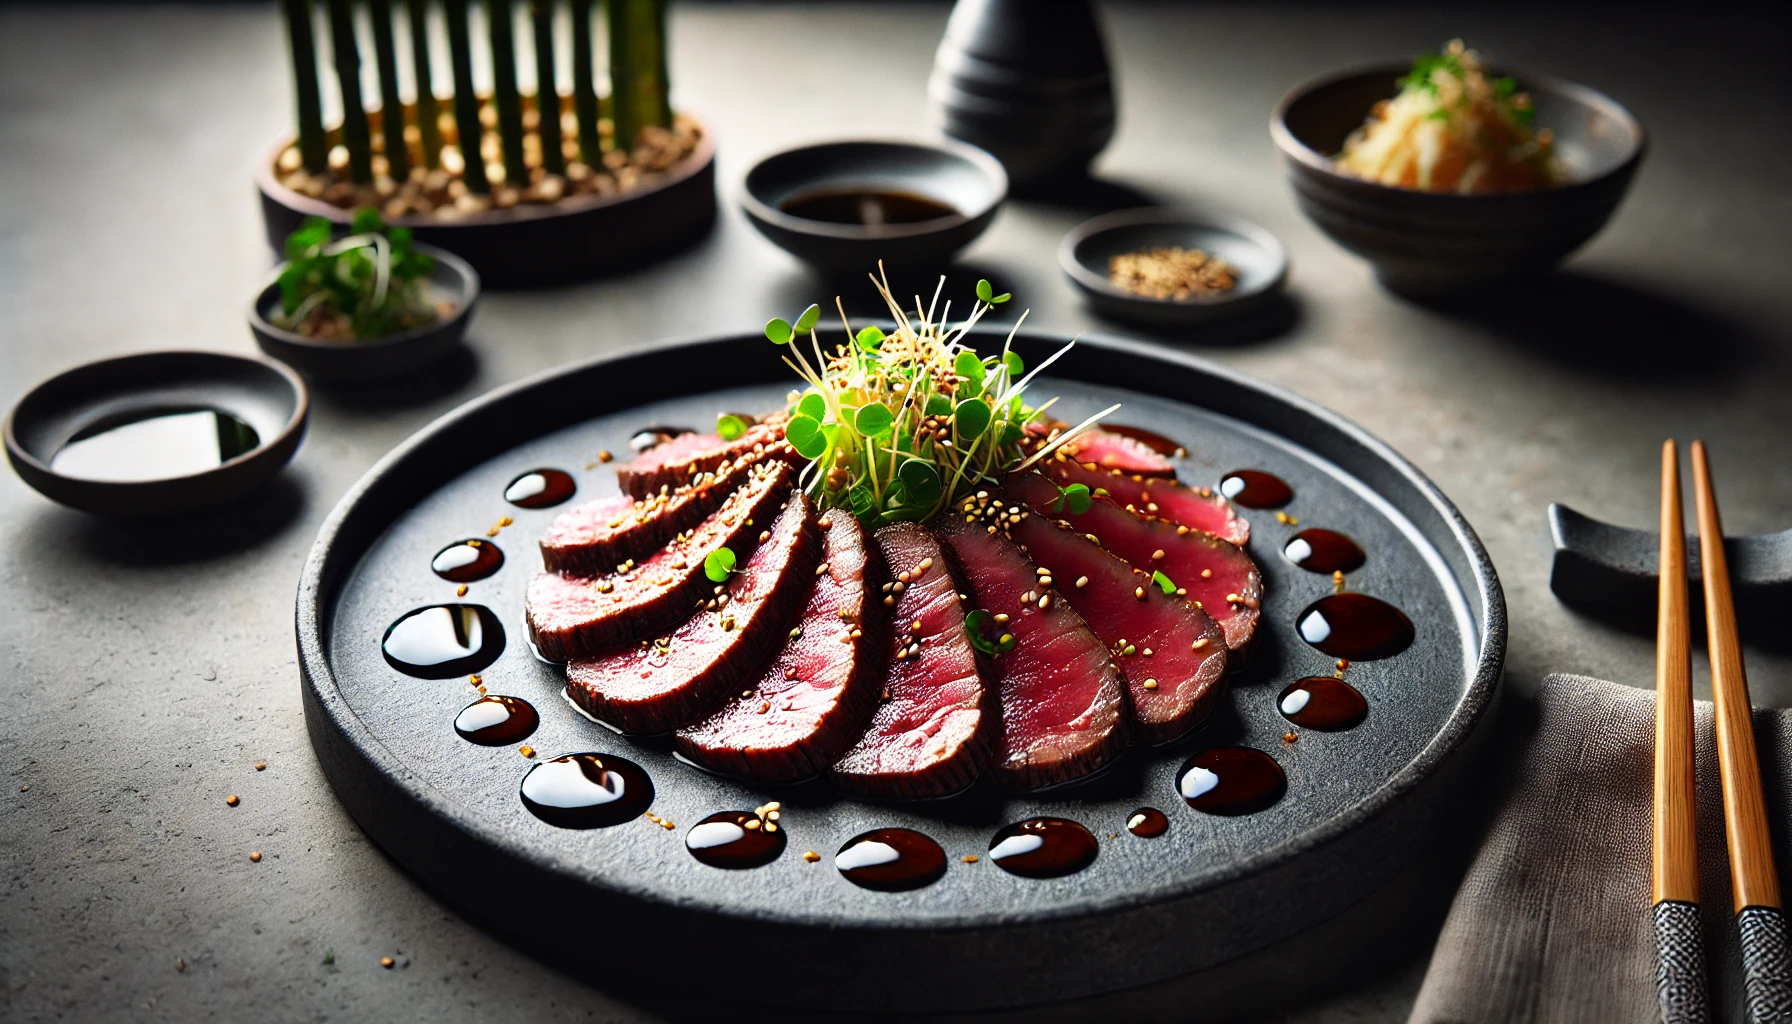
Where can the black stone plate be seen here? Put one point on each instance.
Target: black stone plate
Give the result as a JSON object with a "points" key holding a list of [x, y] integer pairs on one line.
{"points": [[629, 907]]}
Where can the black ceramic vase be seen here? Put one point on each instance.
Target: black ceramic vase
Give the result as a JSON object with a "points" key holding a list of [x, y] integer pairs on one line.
{"points": [[1028, 81]]}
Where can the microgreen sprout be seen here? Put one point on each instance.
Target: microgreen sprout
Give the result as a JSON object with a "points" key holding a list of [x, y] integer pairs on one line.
{"points": [[980, 626], [902, 425], [718, 565], [1164, 583], [362, 287], [1074, 500], [729, 427]]}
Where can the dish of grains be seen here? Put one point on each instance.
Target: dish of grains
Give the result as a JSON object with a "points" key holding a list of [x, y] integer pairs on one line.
{"points": [[1171, 272]]}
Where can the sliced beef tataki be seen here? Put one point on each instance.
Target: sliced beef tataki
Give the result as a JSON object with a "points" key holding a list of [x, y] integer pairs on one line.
{"points": [[678, 462], [579, 616], [935, 732], [1217, 577], [599, 535], [1062, 705], [660, 684], [1172, 654], [1103, 450], [809, 703], [1196, 508]]}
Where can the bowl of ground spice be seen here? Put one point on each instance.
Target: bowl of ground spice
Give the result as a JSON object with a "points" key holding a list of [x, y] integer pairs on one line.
{"points": [[1173, 267]]}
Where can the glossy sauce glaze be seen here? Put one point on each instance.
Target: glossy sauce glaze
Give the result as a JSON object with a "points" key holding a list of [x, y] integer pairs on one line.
{"points": [[869, 208], [465, 561], [1043, 848], [1154, 441], [1254, 488], [1231, 781], [1147, 823], [736, 840], [540, 488], [891, 860], [442, 641], [1325, 551], [1324, 703], [154, 444], [653, 435], [1355, 627], [497, 721], [588, 790]]}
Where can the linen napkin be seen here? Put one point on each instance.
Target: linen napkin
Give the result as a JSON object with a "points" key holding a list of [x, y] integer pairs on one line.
{"points": [[1552, 922]]}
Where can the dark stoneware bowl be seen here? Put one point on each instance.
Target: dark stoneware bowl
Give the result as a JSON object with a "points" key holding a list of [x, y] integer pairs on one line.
{"points": [[962, 177], [268, 397], [1256, 255], [1423, 243], [531, 246], [452, 281], [627, 906]]}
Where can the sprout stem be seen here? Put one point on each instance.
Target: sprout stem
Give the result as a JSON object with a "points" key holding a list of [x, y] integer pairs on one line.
{"points": [[314, 151], [466, 101], [501, 25], [355, 134]]}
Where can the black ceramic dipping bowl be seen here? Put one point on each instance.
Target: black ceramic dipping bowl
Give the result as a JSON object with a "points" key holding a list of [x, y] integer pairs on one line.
{"points": [[1256, 256], [1424, 243], [266, 397], [453, 280], [952, 174]]}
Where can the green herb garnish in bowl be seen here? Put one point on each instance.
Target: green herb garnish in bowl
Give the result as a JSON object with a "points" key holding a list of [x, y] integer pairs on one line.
{"points": [[366, 286]]}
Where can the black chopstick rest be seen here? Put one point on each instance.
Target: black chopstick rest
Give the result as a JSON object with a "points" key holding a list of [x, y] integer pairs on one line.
{"points": [[1766, 964]]}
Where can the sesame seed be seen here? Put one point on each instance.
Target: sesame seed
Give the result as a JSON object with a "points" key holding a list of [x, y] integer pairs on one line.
{"points": [[825, 521], [460, 591], [1001, 618], [1157, 555], [1146, 652], [261, 766], [811, 856], [604, 456], [969, 858], [1081, 582], [255, 856], [232, 800], [1182, 531], [1150, 684], [387, 962], [821, 570], [1139, 592], [1199, 643], [526, 750], [1045, 602]]}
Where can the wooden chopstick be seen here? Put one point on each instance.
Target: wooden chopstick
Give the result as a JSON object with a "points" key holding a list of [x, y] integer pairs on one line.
{"points": [[1766, 976], [1679, 942]]}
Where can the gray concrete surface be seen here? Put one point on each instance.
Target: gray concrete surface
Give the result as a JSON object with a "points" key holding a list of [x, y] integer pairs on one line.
{"points": [[146, 669]]}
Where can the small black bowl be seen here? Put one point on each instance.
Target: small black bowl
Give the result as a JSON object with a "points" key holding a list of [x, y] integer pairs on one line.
{"points": [[962, 177], [1256, 255], [1434, 243], [263, 395], [453, 280]]}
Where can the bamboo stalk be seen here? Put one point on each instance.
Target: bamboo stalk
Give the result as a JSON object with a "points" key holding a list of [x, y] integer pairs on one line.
{"points": [[428, 115], [398, 151], [547, 90], [466, 101], [584, 85], [313, 149], [501, 23], [355, 134], [639, 95]]}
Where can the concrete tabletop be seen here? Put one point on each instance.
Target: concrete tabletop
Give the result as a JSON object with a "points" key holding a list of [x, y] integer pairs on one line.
{"points": [[149, 668]]}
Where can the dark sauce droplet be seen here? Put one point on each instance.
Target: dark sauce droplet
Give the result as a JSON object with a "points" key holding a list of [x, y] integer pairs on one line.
{"points": [[1148, 823], [1325, 703], [1043, 848], [465, 561], [735, 840], [1355, 627], [1150, 439], [891, 860], [154, 444], [649, 436], [1231, 781], [1325, 551], [1254, 488], [540, 488], [442, 641], [866, 208], [587, 791], [497, 721]]}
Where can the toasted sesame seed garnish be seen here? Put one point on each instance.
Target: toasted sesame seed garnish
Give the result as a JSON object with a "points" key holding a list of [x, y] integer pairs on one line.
{"points": [[1207, 574], [764, 535], [1146, 652], [1343, 664], [1045, 602], [255, 856], [604, 456], [889, 600], [969, 858], [811, 856], [855, 634], [1045, 581], [1157, 555], [1139, 592], [1150, 684], [825, 521], [261, 766], [797, 632], [926, 564], [1289, 736], [506, 521], [821, 570], [1181, 531], [1081, 582], [1199, 643], [1001, 618], [526, 750]]}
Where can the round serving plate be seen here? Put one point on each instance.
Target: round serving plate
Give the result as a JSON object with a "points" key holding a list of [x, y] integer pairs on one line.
{"points": [[629, 906]]}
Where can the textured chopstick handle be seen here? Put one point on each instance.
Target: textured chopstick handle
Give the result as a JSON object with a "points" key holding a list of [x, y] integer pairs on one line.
{"points": [[1766, 969], [1680, 963]]}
